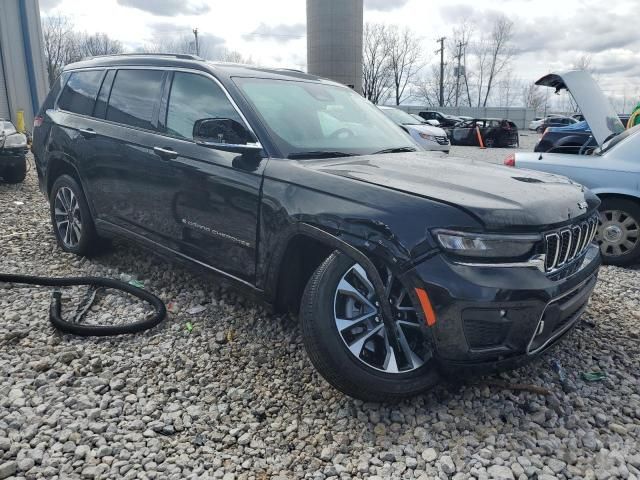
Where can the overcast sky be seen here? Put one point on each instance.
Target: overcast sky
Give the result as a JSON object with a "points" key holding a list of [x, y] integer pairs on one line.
{"points": [[549, 34]]}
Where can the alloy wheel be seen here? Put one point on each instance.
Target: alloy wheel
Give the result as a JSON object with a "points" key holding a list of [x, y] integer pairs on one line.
{"points": [[618, 233], [359, 323], [68, 218]]}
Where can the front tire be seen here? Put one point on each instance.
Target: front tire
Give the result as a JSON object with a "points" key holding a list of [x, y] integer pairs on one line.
{"points": [[71, 218], [619, 231], [16, 173], [348, 343]]}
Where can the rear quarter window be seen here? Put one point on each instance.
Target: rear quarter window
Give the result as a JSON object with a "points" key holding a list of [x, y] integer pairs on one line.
{"points": [[79, 94]]}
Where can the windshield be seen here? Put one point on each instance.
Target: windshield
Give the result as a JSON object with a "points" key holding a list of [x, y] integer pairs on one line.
{"points": [[399, 116], [313, 117]]}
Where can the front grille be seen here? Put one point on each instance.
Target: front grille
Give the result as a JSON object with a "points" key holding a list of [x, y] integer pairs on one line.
{"points": [[442, 140], [568, 243]]}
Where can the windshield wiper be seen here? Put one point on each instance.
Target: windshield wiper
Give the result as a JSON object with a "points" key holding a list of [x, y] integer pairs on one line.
{"points": [[318, 154], [396, 150], [614, 134]]}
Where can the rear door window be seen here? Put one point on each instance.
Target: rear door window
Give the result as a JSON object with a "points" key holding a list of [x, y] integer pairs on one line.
{"points": [[194, 97], [135, 98], [79, 94]]}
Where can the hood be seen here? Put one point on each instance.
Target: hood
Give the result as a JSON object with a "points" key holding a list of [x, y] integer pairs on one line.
{"points": [[501, 198], [595, 107], [428, 129]]}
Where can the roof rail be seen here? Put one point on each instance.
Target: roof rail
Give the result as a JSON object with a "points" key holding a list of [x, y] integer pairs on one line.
{"points": [[289, 70], [184, 56]]}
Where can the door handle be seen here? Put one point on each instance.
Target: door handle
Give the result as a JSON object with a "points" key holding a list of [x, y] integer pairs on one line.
{"points": [[88, 132], [165, 153]]}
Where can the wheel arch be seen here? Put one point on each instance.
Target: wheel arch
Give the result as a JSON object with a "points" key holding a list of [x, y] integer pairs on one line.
{"points": [[308, 246], [622, 194], [58, 166]]}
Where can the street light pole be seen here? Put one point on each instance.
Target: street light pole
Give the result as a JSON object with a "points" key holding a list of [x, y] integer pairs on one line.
{"points": [[441, 41], [459, 57]]}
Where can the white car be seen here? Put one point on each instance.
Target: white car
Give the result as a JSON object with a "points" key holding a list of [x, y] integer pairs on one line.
{"points": [[611, 170], [427, 136], [536, 123]]}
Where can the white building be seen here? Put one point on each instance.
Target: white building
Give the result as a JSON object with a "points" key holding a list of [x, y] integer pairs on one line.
{"points": [[23, 75]]}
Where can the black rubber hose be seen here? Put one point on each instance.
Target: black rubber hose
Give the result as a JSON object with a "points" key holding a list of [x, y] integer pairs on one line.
{"points": [[55, 315]]}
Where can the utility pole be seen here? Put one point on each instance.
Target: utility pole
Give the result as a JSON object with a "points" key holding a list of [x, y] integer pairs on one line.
{"points": [[441, 50], [195, 34], [459, 57]]}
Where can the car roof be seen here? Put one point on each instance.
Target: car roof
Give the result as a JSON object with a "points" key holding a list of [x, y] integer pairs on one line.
{"points": [[219, 69]]}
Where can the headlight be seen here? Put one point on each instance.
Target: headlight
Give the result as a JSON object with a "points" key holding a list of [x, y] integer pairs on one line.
{"points": [[17, 140], [486, 245], [426, 136]]}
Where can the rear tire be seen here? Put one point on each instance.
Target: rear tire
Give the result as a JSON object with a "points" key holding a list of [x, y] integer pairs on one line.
{"points": [[71, 218], [334, 358], [16, 173], [619, 231]]}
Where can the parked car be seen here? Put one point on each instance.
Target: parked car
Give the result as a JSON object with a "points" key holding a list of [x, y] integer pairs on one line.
{"points": [[422, 121], [427, 136], [611, 170], [575, 138], [495, 132], [444, 120], [13, 153], [538, 121], [400, 263], [555, 122]]}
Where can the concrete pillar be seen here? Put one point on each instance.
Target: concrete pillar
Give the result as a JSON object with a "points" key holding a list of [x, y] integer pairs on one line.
{"points": [[334, 40]]}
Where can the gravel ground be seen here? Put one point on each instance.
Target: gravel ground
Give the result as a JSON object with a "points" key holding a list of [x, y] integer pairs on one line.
{"points": [[234, 396]]}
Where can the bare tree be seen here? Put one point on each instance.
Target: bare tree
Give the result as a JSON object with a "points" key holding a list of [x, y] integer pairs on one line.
{"points": [[506, 86], [533, 98], [376, 72], [171, 44], [60, 46], [583, 62], [500, 53], [462, 36], [98, 44], [404, 60], [233, 56], [481, 52]]}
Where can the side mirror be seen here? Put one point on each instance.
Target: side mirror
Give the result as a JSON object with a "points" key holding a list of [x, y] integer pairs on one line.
{"points": [[225, 134], [433, 123]]}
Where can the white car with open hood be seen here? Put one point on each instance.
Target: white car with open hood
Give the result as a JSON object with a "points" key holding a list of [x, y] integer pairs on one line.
{"points": [[611, 170]]}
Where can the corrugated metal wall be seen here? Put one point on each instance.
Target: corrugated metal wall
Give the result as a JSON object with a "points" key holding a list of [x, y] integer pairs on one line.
{"points": [[24, 74]]}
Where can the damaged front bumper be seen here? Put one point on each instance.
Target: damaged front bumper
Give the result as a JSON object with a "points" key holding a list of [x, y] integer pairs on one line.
{"points": [[490, 319]]}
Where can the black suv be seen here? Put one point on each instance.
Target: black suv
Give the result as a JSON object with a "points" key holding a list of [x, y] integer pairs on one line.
{"points": [[445, 121], [401, 264]]}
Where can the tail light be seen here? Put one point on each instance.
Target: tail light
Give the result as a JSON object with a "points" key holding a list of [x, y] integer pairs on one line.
{"points": [[510, 160], [37, 121]]}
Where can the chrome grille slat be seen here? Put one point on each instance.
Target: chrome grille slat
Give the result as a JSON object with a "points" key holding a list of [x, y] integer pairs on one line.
{"points": [[584, 227], [562, 246], [565, 246], [575, 241]]}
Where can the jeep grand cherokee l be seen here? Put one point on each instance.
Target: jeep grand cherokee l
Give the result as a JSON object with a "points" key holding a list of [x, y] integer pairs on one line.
{"points": [[400, 264]]}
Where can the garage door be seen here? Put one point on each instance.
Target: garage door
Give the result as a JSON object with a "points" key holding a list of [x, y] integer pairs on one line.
{"points": [[4, 102]]}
